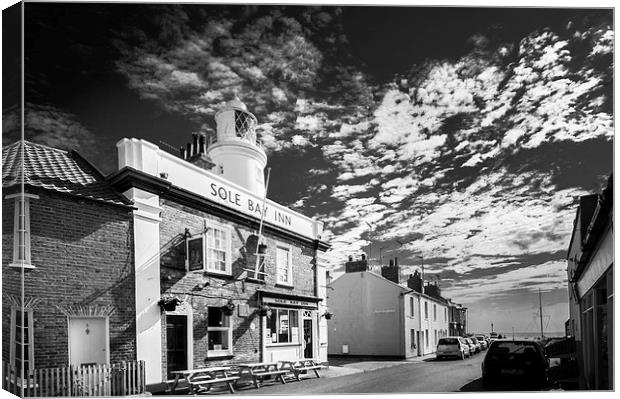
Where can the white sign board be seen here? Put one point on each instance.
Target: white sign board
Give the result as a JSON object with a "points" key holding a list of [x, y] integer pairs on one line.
{"points": [[148, 158]]}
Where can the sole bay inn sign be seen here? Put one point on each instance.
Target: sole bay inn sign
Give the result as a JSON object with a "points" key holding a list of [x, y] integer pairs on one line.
{"points": [[149, 158]]}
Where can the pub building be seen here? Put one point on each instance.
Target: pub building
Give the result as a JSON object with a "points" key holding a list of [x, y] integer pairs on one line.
{"points": [[223, 274]]}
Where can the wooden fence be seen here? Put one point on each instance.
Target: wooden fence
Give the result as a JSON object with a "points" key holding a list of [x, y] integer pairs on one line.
{"points": [[120, 379]]}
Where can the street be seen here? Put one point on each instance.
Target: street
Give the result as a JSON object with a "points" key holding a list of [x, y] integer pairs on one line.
{"points": [[419, 377]]}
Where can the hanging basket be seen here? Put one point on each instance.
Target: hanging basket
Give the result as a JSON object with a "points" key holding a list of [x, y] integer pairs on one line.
{"points": [[264, 310], [328, 315], [229, 308], [169, 304]]}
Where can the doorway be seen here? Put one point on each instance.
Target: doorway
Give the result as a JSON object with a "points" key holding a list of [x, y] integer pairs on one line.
{"points": [[417, 333], [308, 335], [88, 341], [176, 344]]}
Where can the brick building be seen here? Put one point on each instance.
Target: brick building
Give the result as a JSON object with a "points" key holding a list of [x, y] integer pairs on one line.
{"points": [[223, 274], [72, 236]]}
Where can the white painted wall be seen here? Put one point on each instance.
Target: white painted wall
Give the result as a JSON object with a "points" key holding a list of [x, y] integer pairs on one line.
{"points": [[367, 315], [147, 157], [323, 307], [148, 316]]}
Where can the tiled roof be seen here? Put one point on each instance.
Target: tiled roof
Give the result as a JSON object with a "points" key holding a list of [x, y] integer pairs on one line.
{"points": [[57, 170]]}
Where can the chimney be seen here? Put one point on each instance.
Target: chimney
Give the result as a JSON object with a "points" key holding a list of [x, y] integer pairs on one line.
{"points": [[356, 266], [391, 272], [196, 152], [395, 261], [414, 282]]}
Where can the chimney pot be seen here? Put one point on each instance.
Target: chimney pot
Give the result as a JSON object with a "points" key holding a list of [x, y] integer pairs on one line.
{"points": [[350, 258], [363, 256], [391, 262], [395, 261], [183, 153], [188, 151], [203, 144]]}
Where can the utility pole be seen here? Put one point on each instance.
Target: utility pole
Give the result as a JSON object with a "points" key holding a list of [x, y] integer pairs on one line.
{"points": [[542, 334], [513, 333], [491, 328], [422, 258]]}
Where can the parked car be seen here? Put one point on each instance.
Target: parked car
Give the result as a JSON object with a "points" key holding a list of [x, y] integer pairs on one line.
{"points": [[476, 343], [452, 347], [518, 363], [472, 346], [483, 342]]}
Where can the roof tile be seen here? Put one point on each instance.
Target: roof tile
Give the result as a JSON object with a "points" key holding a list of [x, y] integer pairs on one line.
{"points": [[57, 170]]}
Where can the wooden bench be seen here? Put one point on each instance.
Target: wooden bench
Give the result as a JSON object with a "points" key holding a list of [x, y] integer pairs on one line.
{"points": [[201, 379], [260, 370], [203, 384], [300, 366]]}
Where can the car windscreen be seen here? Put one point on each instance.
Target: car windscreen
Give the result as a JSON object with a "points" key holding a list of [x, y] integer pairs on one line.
{"points": [[448, 341], [514, 348]]}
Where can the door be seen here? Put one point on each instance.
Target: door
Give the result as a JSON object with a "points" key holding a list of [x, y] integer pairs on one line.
{"points": [[88, 341], [417, 333], [308, 342], [176, 343]]}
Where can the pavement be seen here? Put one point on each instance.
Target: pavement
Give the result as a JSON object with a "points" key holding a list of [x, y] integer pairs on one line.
{"points": [[338, 367], [348, 365]]}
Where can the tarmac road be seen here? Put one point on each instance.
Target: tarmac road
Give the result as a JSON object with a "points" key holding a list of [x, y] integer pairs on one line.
{"points": [[415, 377]]}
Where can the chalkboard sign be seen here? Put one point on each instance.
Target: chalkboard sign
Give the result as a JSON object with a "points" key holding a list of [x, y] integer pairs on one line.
{"points": [[195, 258]]}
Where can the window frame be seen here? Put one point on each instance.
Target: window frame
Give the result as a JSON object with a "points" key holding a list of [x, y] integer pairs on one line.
{"points": [[279, 281], [434, 312], [425, 310], [412, 306], [211, 353], [295, 339], [13, 336], [27, 261], [204, 236]]}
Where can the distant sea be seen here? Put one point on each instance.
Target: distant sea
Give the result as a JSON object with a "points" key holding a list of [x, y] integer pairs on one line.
{"points": [[531, 335]]}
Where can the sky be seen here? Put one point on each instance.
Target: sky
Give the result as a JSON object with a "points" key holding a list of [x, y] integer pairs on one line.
{"points": [[460, 138]]}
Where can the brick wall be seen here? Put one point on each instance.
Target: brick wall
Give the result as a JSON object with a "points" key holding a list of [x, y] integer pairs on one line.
{"points": [[83, 254], [246, 342]]}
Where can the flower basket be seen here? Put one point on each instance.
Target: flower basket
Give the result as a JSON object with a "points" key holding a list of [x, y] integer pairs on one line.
{"points": [[229, 308], [264, 310], [169, 304], [328, 315], [262, 248]]}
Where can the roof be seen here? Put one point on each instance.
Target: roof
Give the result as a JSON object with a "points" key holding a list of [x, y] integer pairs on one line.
{"points": [[56, 170]]}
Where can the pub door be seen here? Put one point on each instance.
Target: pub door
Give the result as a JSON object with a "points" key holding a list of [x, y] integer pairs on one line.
{"points": [[176, 343], [308, 335]]}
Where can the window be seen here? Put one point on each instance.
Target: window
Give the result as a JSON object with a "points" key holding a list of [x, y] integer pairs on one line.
{"points": [[219, 332], [218, 244], [283, 266], [282, 326], [426, 310], [434, 312], [445, 314], [411, 312], [412, 345], [426, 336], [21, 337], [21, 231], [435, 333], [210, 251]]}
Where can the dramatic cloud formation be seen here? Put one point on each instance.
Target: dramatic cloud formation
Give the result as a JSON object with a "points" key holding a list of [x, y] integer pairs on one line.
{"points": [[473, 162]]}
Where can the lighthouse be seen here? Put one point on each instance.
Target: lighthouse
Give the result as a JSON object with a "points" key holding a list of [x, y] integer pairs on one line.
{"points": [[235, 152]]}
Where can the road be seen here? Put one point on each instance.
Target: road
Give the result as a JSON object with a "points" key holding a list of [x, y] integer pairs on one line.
{"points": [[416, 377]]}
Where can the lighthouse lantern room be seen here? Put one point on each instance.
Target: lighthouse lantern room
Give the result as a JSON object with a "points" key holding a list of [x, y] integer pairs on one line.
{"points": [[236, 153]]}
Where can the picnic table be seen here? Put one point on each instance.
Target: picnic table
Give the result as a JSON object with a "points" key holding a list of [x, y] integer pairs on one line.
{"points": [[260, 370], [202, 379], [302, 365]]}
